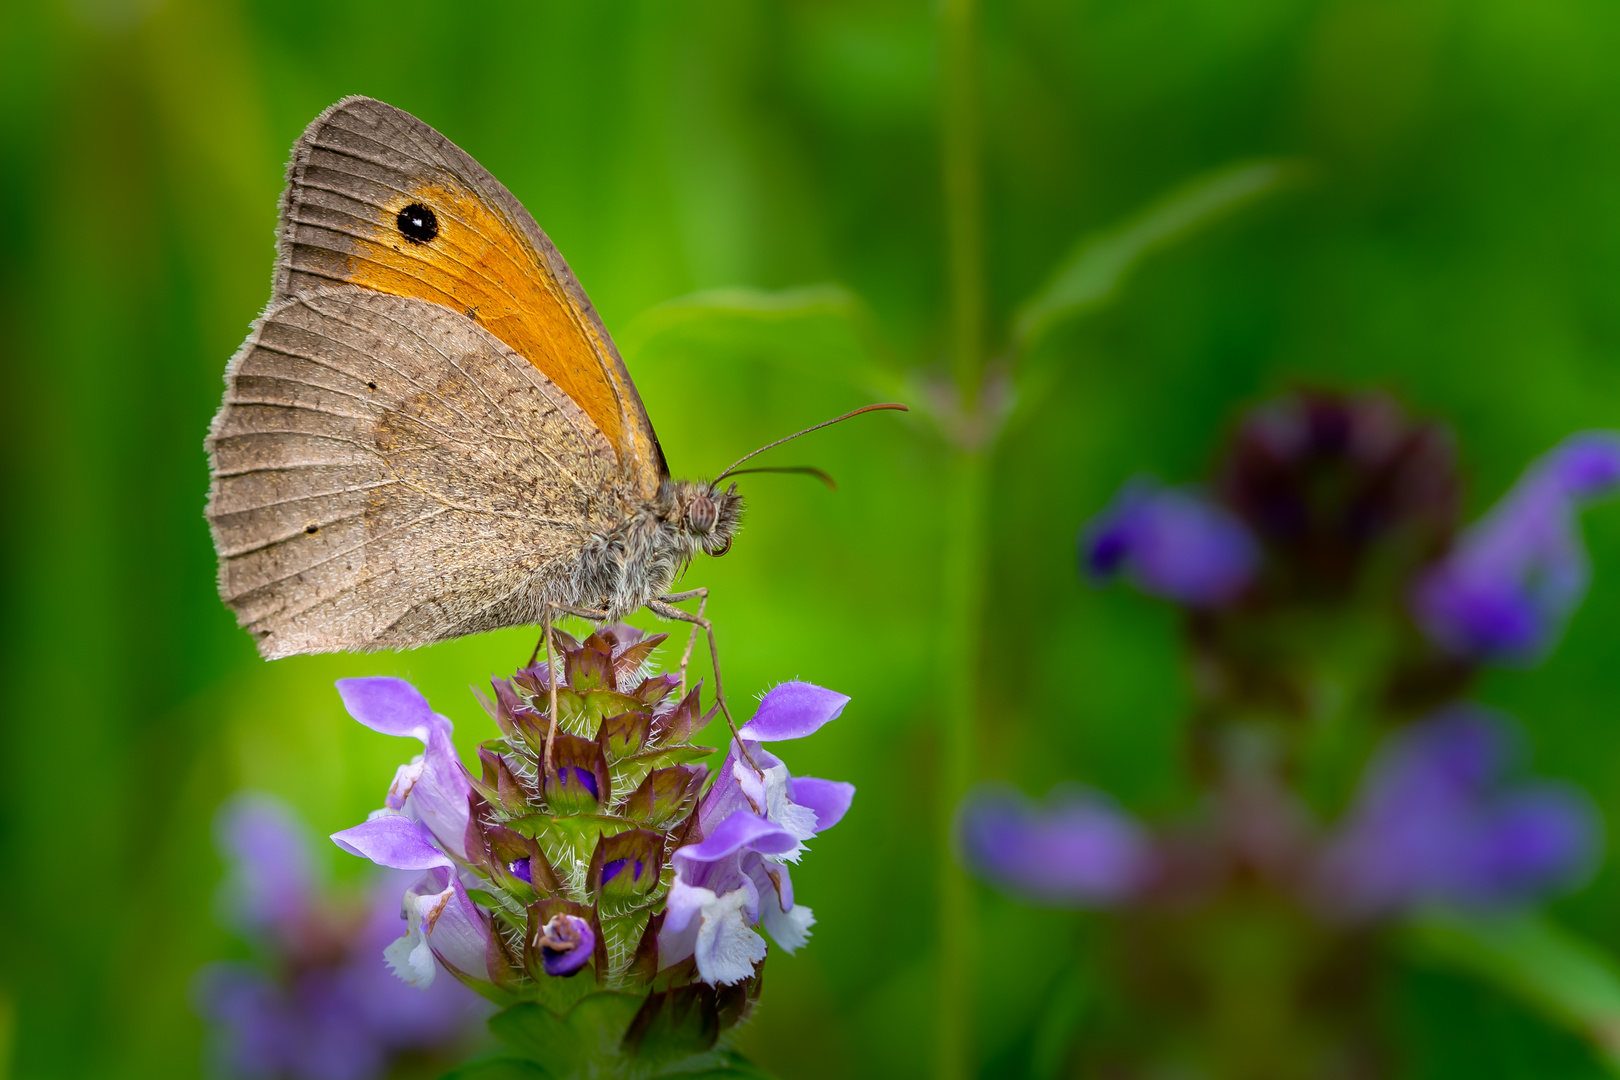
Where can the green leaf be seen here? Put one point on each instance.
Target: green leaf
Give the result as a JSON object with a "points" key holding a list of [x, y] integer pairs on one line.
{"points": [[1064, 1010], [1092, 273], [536, 1033], [675, 1025], [1569, 981], [600, 1021], [771, 325], [500, 1069], [584, 1041], [716, 1065]]}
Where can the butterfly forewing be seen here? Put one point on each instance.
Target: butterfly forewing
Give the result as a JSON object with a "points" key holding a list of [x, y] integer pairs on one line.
{"points": [[378, 199], [388, 473]]}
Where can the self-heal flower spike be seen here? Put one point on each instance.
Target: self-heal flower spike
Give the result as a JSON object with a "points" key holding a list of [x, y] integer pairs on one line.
{"points": [[1505, 590], [607, 871], [1437, 821], [1077, 851], [1172, 543], [318, 1002]]}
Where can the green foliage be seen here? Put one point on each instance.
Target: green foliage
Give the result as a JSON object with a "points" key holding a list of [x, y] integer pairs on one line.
{"points": [[615, 1035], [1092, 274], [1572, 982]]}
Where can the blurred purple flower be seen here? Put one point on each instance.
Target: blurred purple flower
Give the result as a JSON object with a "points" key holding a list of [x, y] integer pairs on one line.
{"points": [[1079, 850], [320, 1003], [1172, 543], [1505, 590], [1437, 821], [736, 877]]}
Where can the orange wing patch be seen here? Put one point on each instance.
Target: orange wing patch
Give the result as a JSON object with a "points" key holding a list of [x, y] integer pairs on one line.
{"points": [[360, 164], [476, 266]]}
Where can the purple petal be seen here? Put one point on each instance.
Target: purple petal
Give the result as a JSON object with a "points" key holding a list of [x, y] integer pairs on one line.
{"points": [[1505, 590], [433, 791], [1539, 839], [1588, 463], [1078, 851], [684, 902], [792, 711], [1173, 543], [399, 1014], [1438, 820], [725, 796], [439, 797], [272, 876], [391, 706], [1484, 618], [392, 841], [742, 830], [829, 799], [566, 944], [457, 931]]}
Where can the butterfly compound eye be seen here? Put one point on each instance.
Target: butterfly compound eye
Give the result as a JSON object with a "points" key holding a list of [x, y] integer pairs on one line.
{"points": [[418, 223], [702, 514]]}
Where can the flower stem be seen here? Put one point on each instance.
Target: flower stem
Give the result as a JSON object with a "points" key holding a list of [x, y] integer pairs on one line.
{"points": [[964, 231], [961, 624], [962, 591]]}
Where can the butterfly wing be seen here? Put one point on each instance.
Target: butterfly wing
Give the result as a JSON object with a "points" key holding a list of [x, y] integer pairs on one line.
{"points": [[360, 165], [387, 473]]}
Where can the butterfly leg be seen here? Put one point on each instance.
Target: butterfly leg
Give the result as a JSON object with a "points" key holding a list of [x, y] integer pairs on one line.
{"points": [[551, 679], [663, 608], [702, 597]]}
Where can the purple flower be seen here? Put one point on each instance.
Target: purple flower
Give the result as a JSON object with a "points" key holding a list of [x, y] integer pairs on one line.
{"points": [[1505, 590], [442, 922], [422, 827], [752, 826], [1438, 822], [433, 788], [1172, 543], [320, 1003], [270, 880], [566, 942], [1077, 851]]}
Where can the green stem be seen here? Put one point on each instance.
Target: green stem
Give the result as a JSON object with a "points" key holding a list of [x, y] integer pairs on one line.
{"points": [[964, 232], [962, 591], [961, 647]]}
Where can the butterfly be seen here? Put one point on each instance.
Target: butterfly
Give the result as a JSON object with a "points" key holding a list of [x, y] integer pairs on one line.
{"points": [[429, 432]]}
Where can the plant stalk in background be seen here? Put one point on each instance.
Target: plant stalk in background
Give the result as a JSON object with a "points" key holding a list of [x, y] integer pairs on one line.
{"points": [[962, 586]]}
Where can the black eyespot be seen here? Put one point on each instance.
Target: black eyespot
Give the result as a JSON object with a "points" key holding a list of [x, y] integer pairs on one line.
{"points": [[312, 529], [372, 385], [418, 223]]}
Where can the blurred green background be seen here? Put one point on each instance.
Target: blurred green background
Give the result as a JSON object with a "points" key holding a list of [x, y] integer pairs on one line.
{"points": [[1459, 244]]}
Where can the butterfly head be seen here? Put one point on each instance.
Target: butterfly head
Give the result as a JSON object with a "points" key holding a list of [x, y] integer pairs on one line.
{"points": [[708, 515]]}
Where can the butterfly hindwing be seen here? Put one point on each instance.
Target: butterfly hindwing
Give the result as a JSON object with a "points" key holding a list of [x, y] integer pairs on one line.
{"points": [[388, 473], [378, 199]]}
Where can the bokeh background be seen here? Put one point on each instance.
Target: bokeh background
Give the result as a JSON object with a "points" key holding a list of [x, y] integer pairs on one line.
{"points": [[1458, 243]]}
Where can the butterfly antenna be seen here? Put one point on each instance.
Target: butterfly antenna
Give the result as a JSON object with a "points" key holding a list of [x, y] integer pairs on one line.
{"points": [[805, 470], [732, 469]]}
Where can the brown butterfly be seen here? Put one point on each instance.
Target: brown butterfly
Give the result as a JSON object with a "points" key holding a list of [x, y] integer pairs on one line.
{"points": [[429, 432]]}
